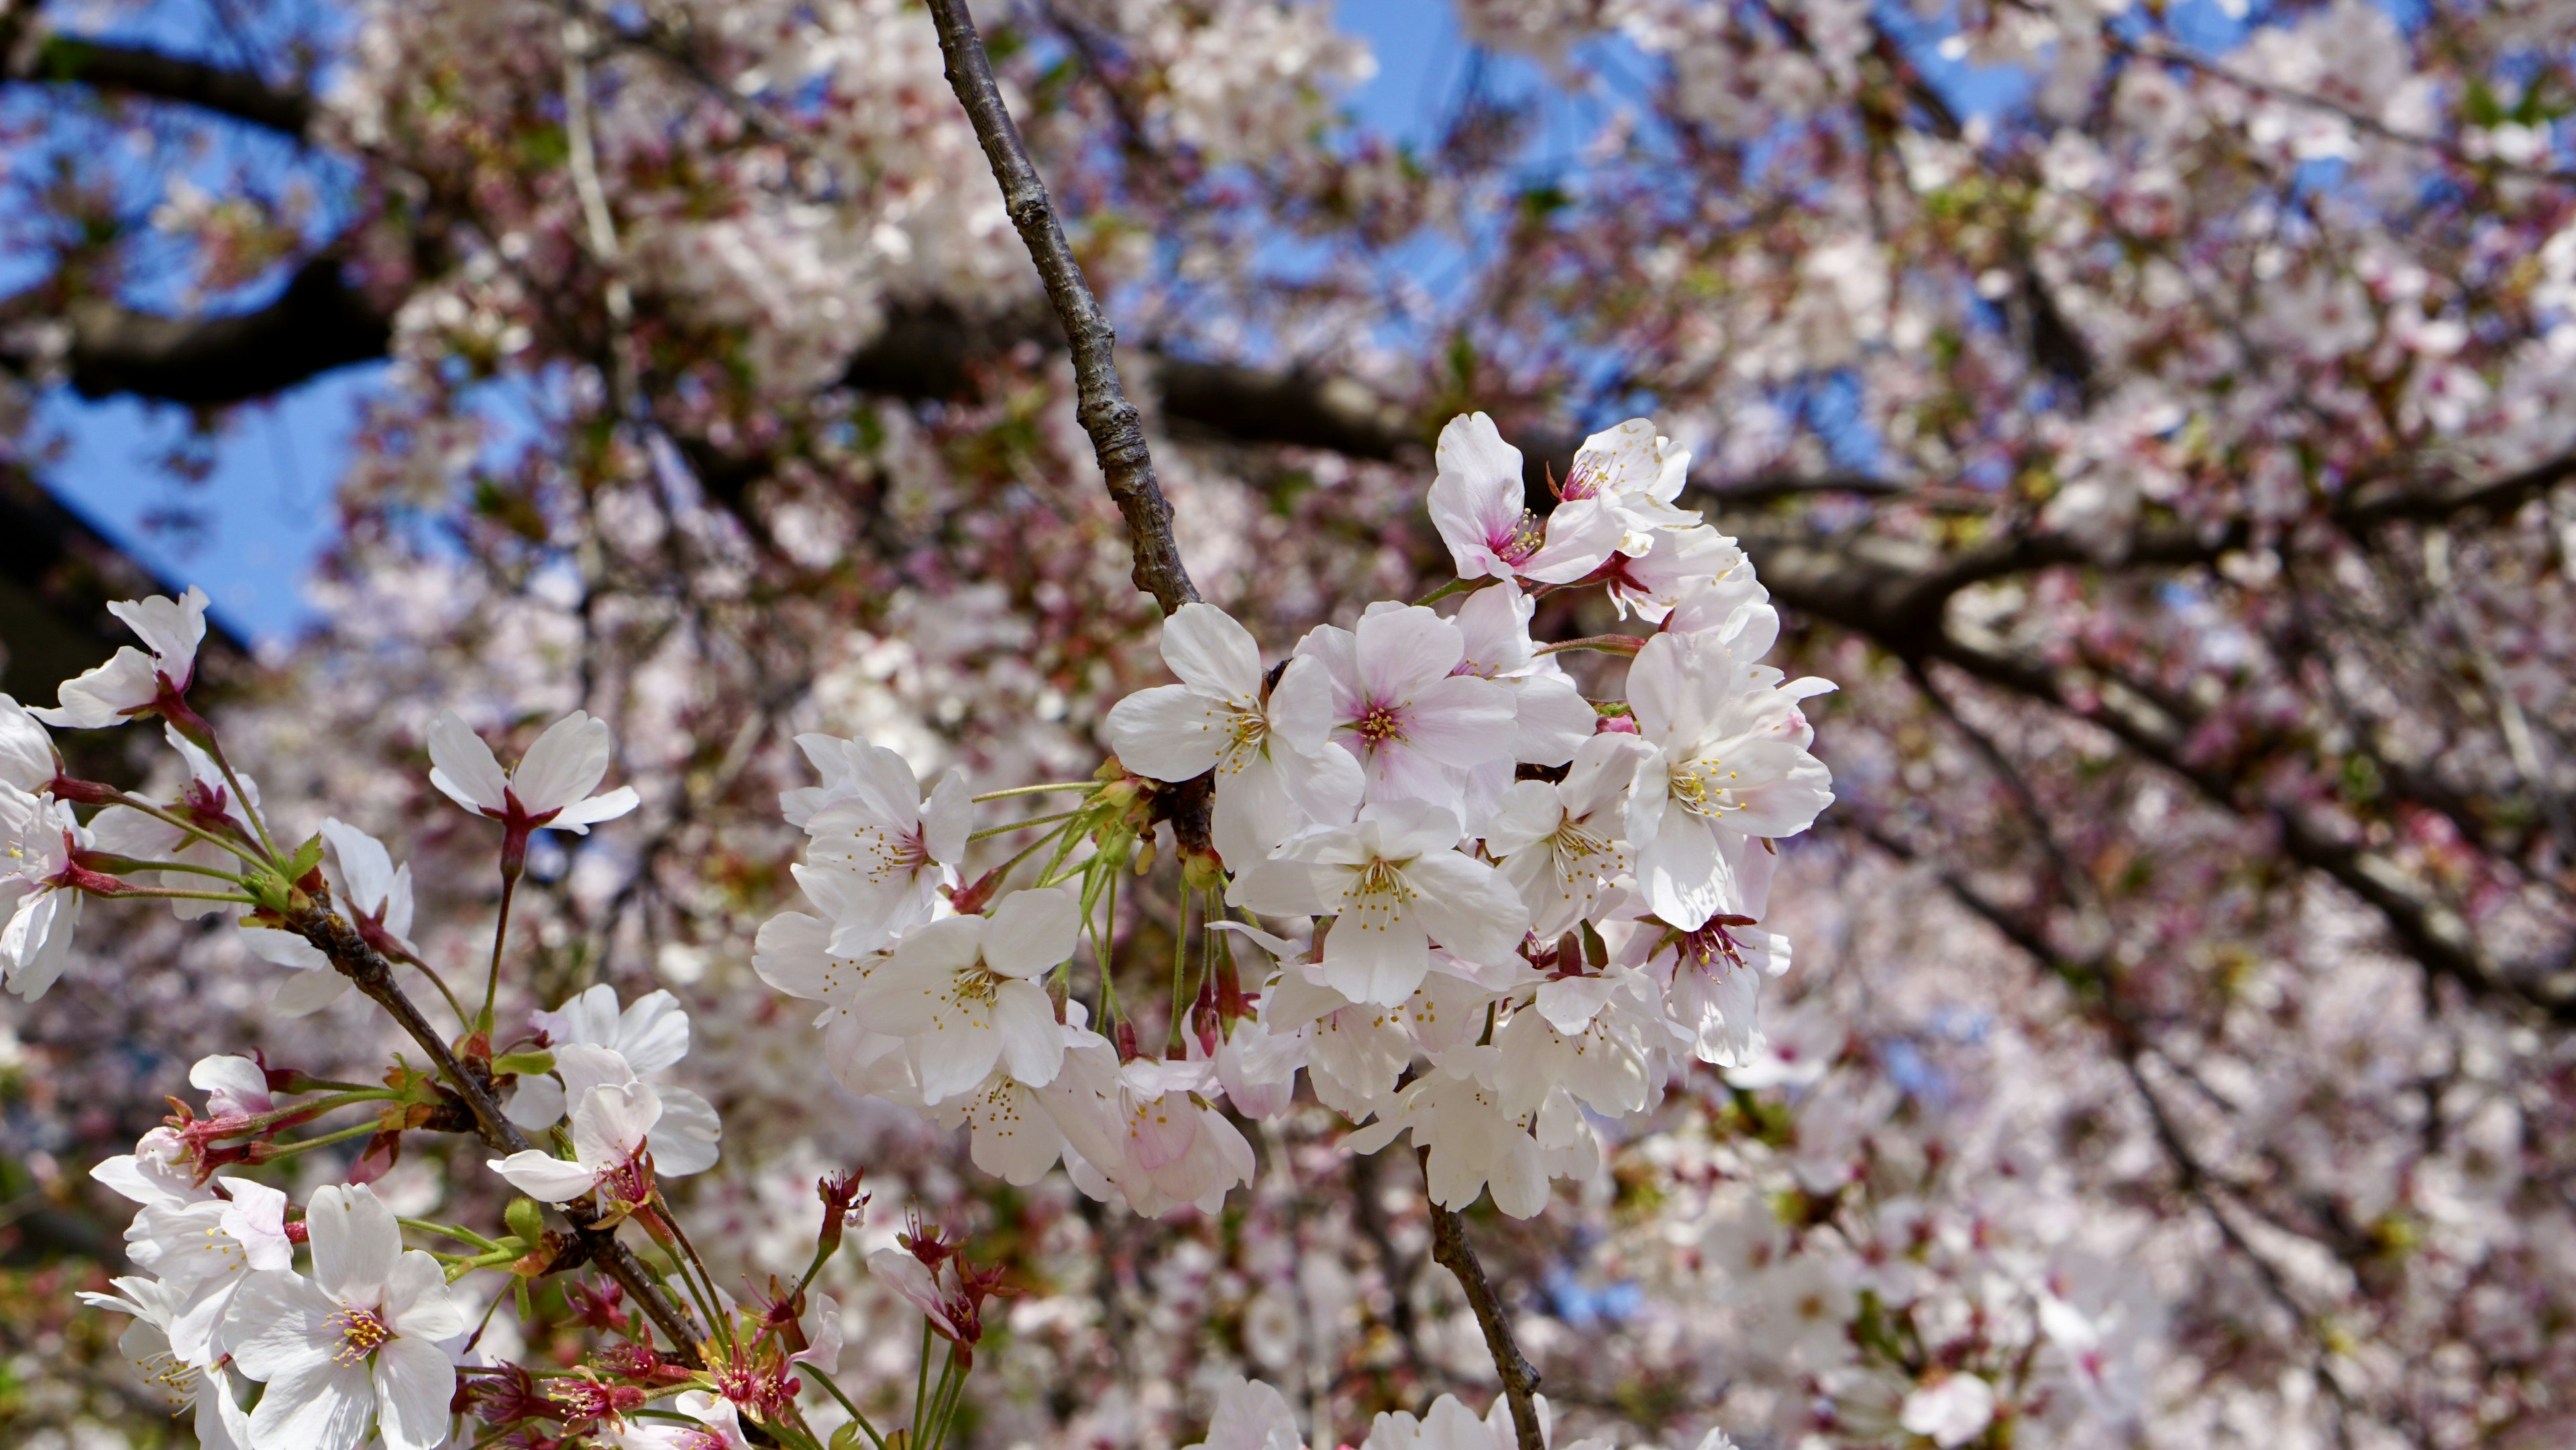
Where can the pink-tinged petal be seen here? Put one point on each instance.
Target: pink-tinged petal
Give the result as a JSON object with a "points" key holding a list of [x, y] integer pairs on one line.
{"points": [[1477, 496], [26, 751], [1032, 931], [171, 629], [910, 1281], [1529, 813], [1581, 536], [544, 1177], [1337, 650], [102, 695], [1683, 874], [365, 867], [686, 1139], [583, 814], [652, 1033], [463, 766], [256, 1218], [1401, 652], [278, 1321], [231, 1084], [307, 992], [1551, 720], [586, 1065], [564, 765], [947, 819], [1169, 732], [319, 1404], [1461, 721], [414, 1383], [418, 1304], [1602, 768], [1253, 814], [1032, 1040], [1467, 907], [1212, 654], [609, 1124], [1302, 707], [589, 1016], [1375, 954], [955, 1061], [355, 1241]]}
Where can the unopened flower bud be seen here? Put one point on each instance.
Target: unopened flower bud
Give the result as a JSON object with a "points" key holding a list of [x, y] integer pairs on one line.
{"points": [[526, 1219]]}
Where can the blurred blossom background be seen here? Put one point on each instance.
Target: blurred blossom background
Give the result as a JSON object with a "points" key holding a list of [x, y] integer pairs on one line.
{"points": [[2155, 416]]}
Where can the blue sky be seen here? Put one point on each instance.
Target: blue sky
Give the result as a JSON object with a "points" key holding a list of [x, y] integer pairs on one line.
{"points": [[265, 505]]}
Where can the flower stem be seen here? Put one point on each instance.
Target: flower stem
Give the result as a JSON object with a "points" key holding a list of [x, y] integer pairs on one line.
{"points": [[453, 1231], [857, 1418], [182, 823], [1608, 644], [289, 1150], [241, 797], [500, 934], [991, 831], [1180, 971], [172, 893], [1050, 786]]}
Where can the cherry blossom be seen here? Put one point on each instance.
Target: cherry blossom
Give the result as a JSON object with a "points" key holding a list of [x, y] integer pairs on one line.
{"points": [[1273, 777], [612, 1117], [133, 682], [1476, 502], [880, 851], [962, 993], [1395, 883], [551, 788], [40, 833], [358, 1343], [649, 1036], [185, 1385]]}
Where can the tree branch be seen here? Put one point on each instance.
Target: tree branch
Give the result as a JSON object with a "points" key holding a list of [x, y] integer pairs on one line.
{"points": [[318, 323], [134, 70], [1451, 1250], [374, 976], [1106, 414]]}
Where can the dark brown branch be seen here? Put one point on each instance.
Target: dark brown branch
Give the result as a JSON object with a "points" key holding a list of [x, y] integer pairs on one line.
{"points": [[374, 976], [1451, 1250], [1116, 436], [131, 70], [318, 323]]}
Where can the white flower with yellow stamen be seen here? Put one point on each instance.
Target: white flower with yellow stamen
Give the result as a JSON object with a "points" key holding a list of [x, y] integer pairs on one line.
{"points": [[1396, 883]]}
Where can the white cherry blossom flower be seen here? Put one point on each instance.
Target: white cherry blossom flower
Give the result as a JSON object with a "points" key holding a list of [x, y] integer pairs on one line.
{"points": [[1250, 1415], [1726, 763], [1550, 717], [199, 1389], [793, 953], [549, 789], [1272, 778], [1477, 1134], [649, 1036], [963, 993], [719, 1427], [1161, 1144], [1635, 474], [124, 831], [1562, 845], [1396, 883], [1478, 502], [234, 1086], [880, 852], [1397, 706], [39, 834], [1949, 1411], [370, 891], [27, 757], [159, 1170], [612, 1116], [356, 1343], [1452, 1426], [132, 681], [204, 1252], [1675, 561]]}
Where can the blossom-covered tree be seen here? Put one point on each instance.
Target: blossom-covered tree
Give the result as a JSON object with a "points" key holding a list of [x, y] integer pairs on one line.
{"points": [[2148, 418]]}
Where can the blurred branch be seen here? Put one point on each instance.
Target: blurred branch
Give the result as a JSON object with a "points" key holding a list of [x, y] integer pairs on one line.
{"points": [[133, 70]]}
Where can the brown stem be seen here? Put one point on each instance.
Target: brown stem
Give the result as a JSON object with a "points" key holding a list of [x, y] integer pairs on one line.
{"points": [[1105, 412], [373, 975], [1450, 1250]]}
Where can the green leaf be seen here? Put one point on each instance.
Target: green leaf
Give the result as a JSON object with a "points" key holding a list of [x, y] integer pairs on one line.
{"points": [[307, 856]]}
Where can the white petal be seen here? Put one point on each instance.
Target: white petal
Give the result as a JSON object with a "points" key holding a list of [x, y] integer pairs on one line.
{"points": [[581, 815], [1170, 732], [544, 1177], [652, 1033], [414, 1384], [564, 764], [355, 1241], [536, 1104], [1212, 654], [1031, 931], [279, 1320], [1032, 1042], [418, 1303], [685, 1140], [319, 1404], [463, 766], [307, 992]]}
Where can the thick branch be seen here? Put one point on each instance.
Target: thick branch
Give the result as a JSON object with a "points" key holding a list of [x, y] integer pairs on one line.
{"points": [[1106, 415], [1450, 1249], [318, 323], [373, 975], [133, 70]]}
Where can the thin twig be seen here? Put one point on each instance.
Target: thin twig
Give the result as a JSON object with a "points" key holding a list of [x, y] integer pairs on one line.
{"points": [[1106, 414]]}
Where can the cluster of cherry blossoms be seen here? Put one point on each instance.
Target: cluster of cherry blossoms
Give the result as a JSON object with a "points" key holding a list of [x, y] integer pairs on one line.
{"points": [[376, 1341], [1499, 910]]}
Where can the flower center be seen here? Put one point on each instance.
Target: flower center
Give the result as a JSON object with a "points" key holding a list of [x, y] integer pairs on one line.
{"points": [[1379, 724], [1515, 544], [361, 1334], [1378, 895], [1706, 787], [978, 985], [883, 856], [1247, 732], [174, 1378]]}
